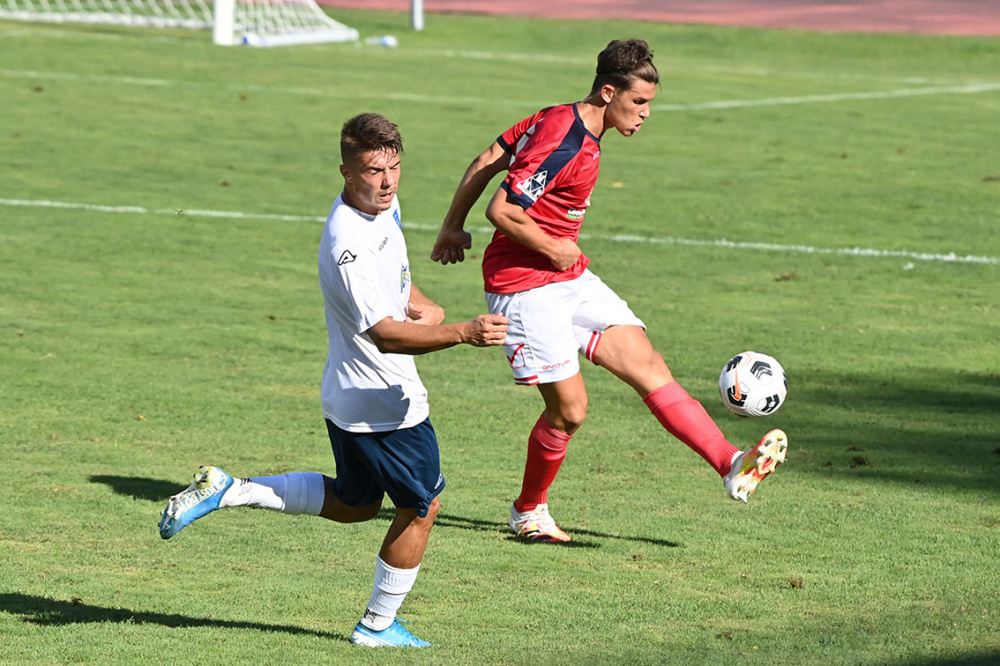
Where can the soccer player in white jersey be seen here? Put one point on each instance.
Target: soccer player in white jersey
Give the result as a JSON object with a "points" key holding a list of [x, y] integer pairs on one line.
{"points": [[373, 400], [536, 275]]}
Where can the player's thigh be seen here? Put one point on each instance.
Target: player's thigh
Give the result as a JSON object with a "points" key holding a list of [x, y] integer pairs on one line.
{"points": [[599, 308], [628, 354], [354, 484], [410, 461], [405, 464], [541, 347]]}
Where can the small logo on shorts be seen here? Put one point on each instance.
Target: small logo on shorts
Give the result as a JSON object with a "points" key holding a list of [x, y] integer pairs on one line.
{"points": [[516, 359], [555, 366], [440, 481]]}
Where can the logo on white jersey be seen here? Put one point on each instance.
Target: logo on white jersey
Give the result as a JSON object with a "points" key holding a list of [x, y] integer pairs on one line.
{"points": [[534, 186], [346, 258], [404, 278]]}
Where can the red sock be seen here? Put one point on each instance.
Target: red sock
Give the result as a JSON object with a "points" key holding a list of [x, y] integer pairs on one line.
{"points": [[546, 451], [687, 420]]}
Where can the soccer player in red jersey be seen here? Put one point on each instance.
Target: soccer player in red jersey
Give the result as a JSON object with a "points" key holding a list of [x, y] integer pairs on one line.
{"points": [[536, 275]]}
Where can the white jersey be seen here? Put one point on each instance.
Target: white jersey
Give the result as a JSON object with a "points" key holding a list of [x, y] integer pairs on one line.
{"points": [[365, 276]]}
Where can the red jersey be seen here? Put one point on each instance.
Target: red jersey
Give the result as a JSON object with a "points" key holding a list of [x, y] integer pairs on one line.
{"points": [[552, 174]]}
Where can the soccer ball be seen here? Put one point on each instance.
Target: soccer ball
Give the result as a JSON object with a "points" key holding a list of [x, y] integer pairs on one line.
{"points": [[753, 384]]}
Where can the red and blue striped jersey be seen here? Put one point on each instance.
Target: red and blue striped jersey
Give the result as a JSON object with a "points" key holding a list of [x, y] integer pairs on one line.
{"points": [[553, 169]]}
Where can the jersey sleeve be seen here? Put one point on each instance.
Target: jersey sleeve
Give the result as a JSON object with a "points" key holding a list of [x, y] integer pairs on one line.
{"points": [[513, 138], [541, 157]]}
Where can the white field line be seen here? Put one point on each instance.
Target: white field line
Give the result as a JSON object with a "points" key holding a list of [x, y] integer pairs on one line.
{"points": [[685, 66], [833, 97], [958, 89], [722, 243], [69, 76], [269, 90], [664, 65]]}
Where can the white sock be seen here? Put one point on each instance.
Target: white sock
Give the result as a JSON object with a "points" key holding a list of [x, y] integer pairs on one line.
{"points": [[296, 493], [391, 587]]}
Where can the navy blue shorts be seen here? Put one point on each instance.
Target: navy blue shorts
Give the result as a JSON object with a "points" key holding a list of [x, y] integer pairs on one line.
{"points": [[404, 464]]}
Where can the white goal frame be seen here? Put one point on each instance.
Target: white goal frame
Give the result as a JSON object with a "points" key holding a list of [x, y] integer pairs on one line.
{"points": [[251, 22]]}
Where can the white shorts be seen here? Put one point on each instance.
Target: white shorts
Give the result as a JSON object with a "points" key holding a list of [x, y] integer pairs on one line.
{"points": [[551, 324]]}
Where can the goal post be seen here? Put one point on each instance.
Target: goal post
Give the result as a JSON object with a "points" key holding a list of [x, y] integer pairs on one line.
{"points": [[251, 22], [417, 14]]}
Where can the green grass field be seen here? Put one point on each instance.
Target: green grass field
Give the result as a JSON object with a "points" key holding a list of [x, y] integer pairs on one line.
{"points": [[830, 199]]}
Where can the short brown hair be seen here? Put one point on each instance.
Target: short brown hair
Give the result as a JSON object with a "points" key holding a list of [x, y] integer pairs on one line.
{"points": [[369, 132], [623, 61]]}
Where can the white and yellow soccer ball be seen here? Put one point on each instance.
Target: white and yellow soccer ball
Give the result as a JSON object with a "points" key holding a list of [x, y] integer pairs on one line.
{"points": [[753, 384]]}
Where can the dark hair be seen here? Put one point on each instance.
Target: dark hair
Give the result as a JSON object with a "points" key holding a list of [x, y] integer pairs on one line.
{"points": [[369, 132], [623, 61]]}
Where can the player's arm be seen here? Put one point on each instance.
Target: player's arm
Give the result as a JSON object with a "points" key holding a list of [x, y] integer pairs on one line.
{"points": [[422, 310], [512, 220], [454, 240], [406, 337]]}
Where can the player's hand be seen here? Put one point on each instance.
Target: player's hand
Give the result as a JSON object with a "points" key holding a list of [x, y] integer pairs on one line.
{"points": [[488, 330], [450, 246], [426, 314], [565, 254]]}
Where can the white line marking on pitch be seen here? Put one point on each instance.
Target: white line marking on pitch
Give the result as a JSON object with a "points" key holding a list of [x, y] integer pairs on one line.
{"points": [[949, 257], [688, 66], [682, 66], [833, 97], [963, 89]]}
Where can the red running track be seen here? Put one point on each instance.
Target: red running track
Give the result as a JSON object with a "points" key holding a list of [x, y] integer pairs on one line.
{"points": [[930, 17]]}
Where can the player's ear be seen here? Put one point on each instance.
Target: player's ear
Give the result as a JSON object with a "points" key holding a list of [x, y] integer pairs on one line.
{"points": [[608, 92], [345, 172]]}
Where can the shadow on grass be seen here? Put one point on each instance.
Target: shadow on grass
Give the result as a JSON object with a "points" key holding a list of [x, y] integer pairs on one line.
{"points": [[922, 427], [52, 612], [982, 659], [158, 491], [139, 488], [460, 522]]}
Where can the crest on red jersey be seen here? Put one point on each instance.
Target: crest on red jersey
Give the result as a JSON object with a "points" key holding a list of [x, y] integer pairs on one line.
{"points": [[534, 186]]}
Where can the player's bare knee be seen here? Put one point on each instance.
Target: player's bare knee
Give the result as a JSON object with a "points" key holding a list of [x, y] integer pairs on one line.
{"points": [[658, 366], [569, 418], [432, 509], [574, 423], [366, 513], [337, 511], [649, 372]]}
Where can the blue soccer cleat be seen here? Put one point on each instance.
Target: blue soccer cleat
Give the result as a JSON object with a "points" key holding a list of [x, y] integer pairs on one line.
{"points": [[395, 635], [199, 499]]}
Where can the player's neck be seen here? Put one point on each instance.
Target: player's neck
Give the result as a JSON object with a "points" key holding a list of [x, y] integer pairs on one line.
{"points": [[591, 112], [348, 198]]}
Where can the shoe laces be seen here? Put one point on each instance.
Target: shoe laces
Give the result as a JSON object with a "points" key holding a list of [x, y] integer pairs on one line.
{"points": [[540, 517]]}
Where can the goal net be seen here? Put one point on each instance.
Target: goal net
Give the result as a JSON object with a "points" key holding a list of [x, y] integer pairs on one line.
{"points": [[252, 22]]}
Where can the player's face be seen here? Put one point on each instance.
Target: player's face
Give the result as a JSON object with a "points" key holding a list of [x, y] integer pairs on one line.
{"points": [[370, 181], [628, 109]]}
